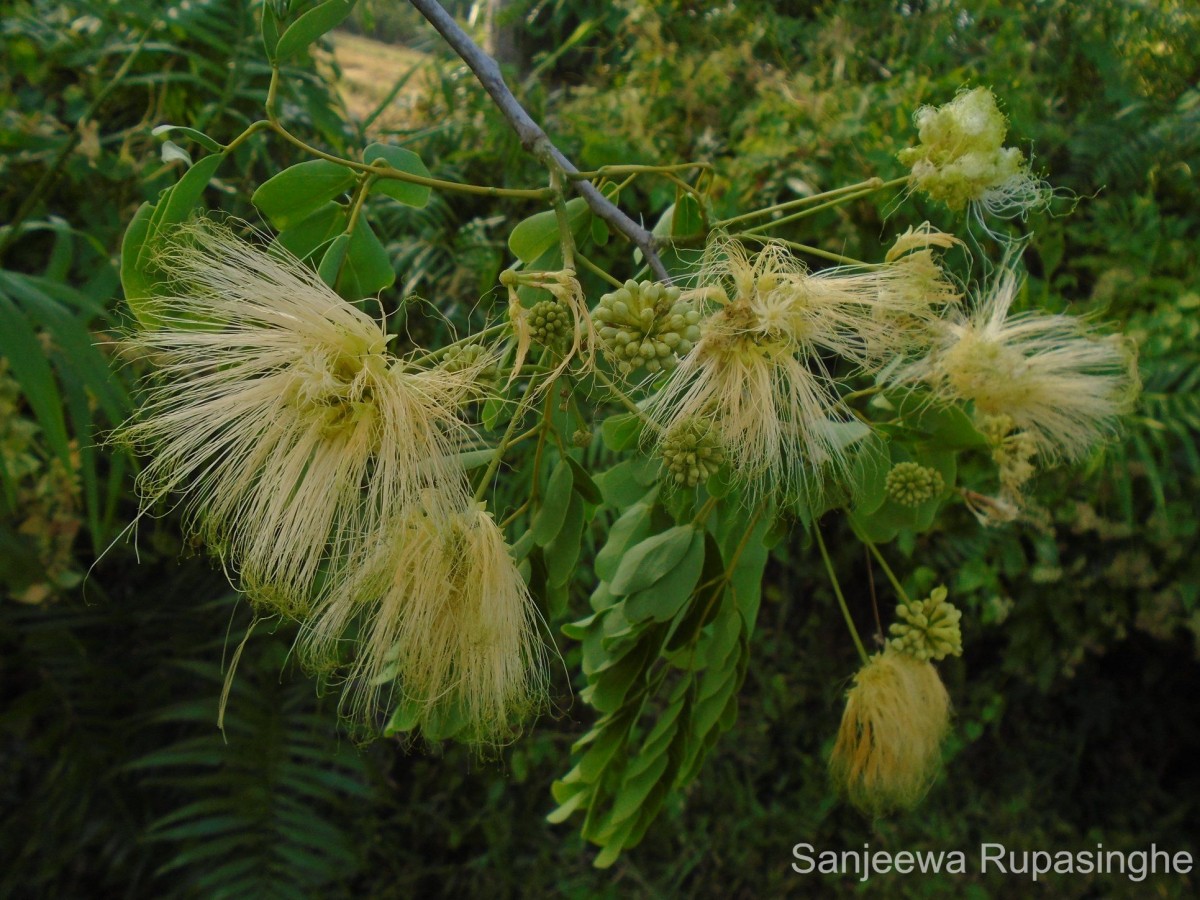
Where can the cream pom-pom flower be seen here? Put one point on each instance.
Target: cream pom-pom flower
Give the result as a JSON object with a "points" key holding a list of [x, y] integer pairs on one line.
{"points": [[276, 413], [758, 372], [1052, 376], [444, 620], [961, 159]]}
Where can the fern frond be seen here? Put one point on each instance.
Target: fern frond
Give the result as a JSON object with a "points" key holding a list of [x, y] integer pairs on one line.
{"points": [[266, 811]]}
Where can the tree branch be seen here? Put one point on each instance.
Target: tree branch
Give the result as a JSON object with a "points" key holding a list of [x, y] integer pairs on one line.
{"points": [[533, 138]]}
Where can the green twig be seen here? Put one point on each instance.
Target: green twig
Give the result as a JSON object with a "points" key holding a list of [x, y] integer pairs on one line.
{"points": [[251, 129], [837, 590], [595, 269], [871, 184], [811, 211], [494, 465], [624, 398], [865, 392], [610, 171], [382, 170], [801, 248], [887, 570], [566, 240]]}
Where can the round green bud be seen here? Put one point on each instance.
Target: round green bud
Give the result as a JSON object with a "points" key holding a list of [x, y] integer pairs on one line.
{"points": [[927, 629], [691, 450], [464, 356], [911, 484], [645, 322], [549, 323]]}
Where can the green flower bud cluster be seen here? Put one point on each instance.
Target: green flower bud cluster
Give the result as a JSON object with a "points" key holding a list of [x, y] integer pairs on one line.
{"points": [[549, 323], [459, 357], [691, 451], [911, 484], [647, 325], [928, 629], [581, 437]]}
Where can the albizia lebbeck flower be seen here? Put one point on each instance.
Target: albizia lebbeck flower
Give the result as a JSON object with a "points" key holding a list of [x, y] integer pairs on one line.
{"points": [[276, 414], [444, 621], [1054, 377], [962, 161], [760, 372]]}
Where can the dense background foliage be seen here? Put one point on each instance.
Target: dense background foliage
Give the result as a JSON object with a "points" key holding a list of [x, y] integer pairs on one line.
{"points": [[1075, 713]]}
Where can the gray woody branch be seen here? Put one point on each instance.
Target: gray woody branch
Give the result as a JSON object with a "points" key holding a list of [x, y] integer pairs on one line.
{"points": [[533, 138]]}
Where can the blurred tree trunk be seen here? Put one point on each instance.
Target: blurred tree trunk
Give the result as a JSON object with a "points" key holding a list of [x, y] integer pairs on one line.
{"points": [[504, 35]]}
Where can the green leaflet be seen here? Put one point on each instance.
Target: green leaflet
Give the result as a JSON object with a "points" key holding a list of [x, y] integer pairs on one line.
{"points": [[620, 432], [330, 268], [403, 161], [357, 265], [367, 269], [662, 600], [627, 482], [269, 27], [554, 504], [683, 596], [584, 484], [650, 560], [297, 192], [306, 237], [198, 136], [562, 551], [19, 344], [175, 204], [310, 26], [630, 528], [137, 283], [532, 237]]}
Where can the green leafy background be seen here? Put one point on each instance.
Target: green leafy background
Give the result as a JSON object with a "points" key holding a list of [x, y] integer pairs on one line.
{"points": [[1075, 711]]}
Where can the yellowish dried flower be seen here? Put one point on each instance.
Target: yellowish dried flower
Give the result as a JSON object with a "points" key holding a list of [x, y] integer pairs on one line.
{"points": [[1013, 452], [578, 339], [888, 749]]}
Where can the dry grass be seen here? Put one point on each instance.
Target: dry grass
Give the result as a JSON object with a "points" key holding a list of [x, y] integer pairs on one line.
{"points": [[370, 69]]}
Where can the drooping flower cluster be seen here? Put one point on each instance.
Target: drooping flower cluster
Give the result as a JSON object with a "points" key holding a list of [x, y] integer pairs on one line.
{"points": [[961, 159], [439, 605], [567, 331], [888, 748], [759, 371], [298, 445]]}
